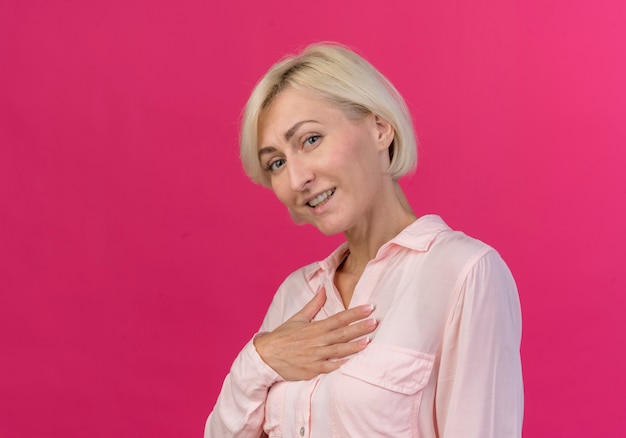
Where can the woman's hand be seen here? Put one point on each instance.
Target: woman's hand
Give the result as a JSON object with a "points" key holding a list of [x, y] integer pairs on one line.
{"points": [[300, 349]]}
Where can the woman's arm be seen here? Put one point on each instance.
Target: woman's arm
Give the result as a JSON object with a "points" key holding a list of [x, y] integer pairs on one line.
{"points": [[298, 349], [480, 389], [239, 410]]}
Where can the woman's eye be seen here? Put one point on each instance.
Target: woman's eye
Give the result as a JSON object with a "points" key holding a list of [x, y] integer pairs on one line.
{"points": [[309, 141], [273, 166]]}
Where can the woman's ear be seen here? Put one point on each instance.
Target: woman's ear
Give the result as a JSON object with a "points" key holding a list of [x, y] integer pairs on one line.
{"points": [[384, 132]]}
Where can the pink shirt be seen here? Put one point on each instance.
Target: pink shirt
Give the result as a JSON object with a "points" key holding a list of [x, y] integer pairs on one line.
{"points": [[443, 362]]}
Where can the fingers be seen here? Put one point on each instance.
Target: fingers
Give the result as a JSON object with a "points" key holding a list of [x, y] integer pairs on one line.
{"points": [[301, 348], [308, 312], [342, 327], [329, 366], [348, 316], [312, 308], [342, 350], [352, 331]]}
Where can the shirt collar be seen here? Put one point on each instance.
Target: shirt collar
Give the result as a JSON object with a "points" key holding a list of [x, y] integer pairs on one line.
{"points": [[418, 236]]}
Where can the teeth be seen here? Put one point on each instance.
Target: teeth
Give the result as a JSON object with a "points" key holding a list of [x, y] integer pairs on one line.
{"points": [[321, 198]]}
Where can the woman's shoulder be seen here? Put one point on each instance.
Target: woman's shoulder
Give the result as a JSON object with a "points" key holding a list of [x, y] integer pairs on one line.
{"points": [[435, 234], [448, 250]]}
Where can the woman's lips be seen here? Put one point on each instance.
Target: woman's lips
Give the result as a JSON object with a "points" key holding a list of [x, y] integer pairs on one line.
{"points": [[321, 198]]}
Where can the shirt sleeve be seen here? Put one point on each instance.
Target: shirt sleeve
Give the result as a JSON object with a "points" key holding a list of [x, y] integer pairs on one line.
{"points": [[479, 388], [240, 408]]}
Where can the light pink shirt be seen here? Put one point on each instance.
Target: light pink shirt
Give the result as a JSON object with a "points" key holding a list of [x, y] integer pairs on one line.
{"points": [[443, 362]]}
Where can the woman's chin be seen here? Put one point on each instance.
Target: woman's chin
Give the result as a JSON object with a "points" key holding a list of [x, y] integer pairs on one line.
{"points": [[328, 229], [322, 223]]}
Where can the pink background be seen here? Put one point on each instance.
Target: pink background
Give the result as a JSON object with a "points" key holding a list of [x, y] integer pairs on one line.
{"points": [[136, 259]]}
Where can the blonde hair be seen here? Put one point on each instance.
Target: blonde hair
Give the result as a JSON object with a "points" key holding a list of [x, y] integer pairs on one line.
{"points": [[347, 81]]}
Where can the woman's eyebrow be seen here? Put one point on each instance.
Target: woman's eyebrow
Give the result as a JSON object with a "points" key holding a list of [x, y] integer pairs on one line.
{"points": [[266, 150], [291, 131], [288, 135]]}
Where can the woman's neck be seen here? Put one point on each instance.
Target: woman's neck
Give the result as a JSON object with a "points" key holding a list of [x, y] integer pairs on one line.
{"points": [[380, 226]]}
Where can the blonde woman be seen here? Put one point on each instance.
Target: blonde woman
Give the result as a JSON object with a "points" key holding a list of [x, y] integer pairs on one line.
{"points": [[408, 329]]}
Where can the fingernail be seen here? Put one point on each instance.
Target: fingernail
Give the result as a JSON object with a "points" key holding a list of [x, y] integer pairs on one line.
{"points": [[371, 322], [366, 340], [368, 307]]}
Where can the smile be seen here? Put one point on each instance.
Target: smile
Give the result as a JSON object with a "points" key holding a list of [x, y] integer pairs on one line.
{"points": [[321, 198]]}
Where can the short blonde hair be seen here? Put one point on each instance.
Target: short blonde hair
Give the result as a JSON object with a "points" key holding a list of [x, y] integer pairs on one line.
{"points": [[346, 80]]}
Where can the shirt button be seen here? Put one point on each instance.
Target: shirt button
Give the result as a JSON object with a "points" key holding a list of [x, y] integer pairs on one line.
{"points": [[302, 431]]}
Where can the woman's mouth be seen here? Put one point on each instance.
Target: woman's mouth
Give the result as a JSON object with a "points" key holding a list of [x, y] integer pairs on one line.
{"points": [[321, 198]]}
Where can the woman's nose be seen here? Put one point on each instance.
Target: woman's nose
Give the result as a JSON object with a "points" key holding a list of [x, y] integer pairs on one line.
{"points": [[300, 173]]}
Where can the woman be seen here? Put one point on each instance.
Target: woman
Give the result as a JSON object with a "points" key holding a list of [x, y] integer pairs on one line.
{"points": [[409, 329]]}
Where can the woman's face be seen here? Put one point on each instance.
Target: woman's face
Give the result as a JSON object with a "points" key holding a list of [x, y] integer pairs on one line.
{"points": [[328, 169]]}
